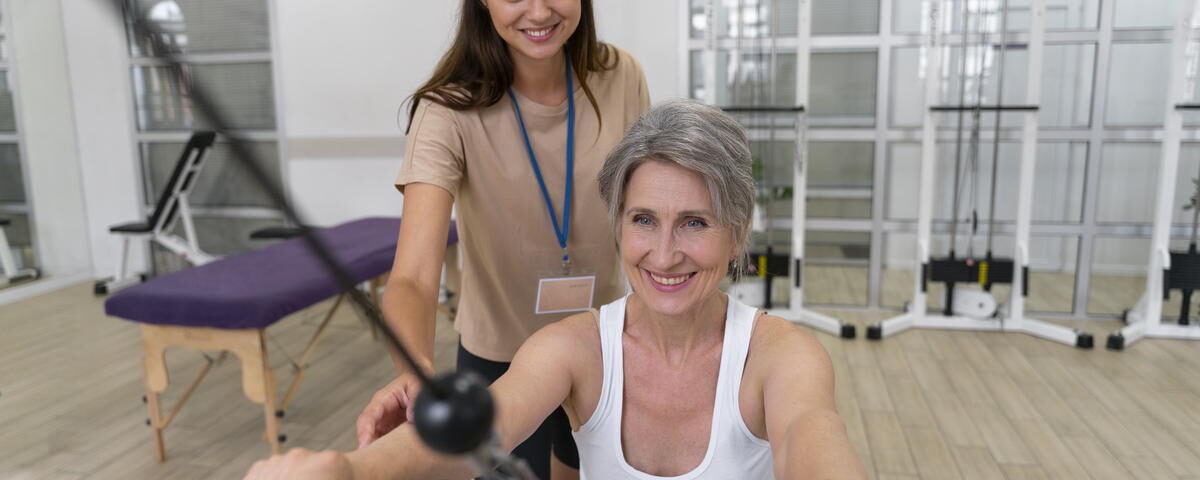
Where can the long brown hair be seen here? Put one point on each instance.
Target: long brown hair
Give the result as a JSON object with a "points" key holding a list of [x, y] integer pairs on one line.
{"points": [[477, 70]]}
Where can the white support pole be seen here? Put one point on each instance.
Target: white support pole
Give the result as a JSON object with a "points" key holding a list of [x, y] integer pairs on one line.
{"points": [[1146, 318], [796, 311], [1160, 239], [717, 21], [933, 85], [8, 266], [188, 247], [800, 164], [709, 55], [1029, 147], [119, 275], [931, 57], [189, 229]]}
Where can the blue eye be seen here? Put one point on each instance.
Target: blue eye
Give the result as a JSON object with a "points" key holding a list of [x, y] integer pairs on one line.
{"points": [[641, 220], [695, 223]]}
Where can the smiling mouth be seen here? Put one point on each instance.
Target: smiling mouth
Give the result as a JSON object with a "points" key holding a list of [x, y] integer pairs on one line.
{"points": [[541, 33], [670, 280]]}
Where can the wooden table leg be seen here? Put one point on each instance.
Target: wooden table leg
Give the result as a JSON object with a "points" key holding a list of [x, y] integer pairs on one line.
{"points": [[269, 402], [156, 425]]}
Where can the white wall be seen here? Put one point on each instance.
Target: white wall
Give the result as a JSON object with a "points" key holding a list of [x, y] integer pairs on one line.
{"points": [[345, 72], [108, 160], [49, 144], [650, 31]]}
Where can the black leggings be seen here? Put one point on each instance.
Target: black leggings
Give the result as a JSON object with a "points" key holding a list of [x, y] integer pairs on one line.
{"points": [[554, 434]]}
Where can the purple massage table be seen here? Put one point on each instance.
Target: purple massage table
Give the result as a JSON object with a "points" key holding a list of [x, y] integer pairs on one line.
{"points": [[226, 305]]}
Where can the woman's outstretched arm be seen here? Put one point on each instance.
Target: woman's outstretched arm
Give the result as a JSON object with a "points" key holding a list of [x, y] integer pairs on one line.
{"points": [[807, 435], [538, 381]]}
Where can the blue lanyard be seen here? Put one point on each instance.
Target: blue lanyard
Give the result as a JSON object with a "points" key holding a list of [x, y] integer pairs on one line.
{"points": [[563, 231]]}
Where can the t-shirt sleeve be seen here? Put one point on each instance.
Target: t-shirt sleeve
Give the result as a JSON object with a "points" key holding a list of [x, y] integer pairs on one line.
{"points": [[642, 89], [638, 93], [433, 151]]}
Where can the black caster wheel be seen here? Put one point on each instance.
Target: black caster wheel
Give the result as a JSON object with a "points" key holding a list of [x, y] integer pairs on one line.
{"points": [[1084, 341], [282, 438], [279, 414], [142, 277], [874, 332], [1125, 317], [147, 422], [1116, 341], [848, 330], [99, 289], [144, 400]]}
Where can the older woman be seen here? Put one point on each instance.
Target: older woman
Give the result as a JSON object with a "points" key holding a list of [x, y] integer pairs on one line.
{"points": [[677, 379]]}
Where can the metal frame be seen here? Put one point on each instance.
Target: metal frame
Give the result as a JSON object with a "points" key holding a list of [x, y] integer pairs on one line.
{"points": [[1014, 319], [795, 311], [160, 232], [8, 266], [182, 136], [1145, 318], [280, 132], [885, 133]]}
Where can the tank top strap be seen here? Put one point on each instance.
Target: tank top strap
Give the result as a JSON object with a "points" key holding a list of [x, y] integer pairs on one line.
{"points": [[611, 321], [739, 328]]}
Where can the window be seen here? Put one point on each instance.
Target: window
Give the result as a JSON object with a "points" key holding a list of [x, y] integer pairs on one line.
{"points": [[911, 16], [227, 49], [1137, 84], [1101, 114], [1068, 72], [242, 90], [844, 17], [1143, 14], [840, 179], [1057, 187], [14, 202], [843, 88]]}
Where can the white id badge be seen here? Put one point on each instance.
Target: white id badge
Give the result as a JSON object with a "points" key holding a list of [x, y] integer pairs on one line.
{"points": [[565, 294]]}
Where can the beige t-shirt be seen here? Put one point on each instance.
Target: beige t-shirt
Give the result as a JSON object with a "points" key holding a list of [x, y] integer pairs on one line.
{"points": [[506, 239]]}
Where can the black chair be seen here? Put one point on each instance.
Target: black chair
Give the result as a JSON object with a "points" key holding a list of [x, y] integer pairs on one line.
{"points": [[172, 206]]}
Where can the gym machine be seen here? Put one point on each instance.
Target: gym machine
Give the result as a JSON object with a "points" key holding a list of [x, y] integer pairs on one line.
{"points": [[977, 309], [1169, 270], [761, 116]]}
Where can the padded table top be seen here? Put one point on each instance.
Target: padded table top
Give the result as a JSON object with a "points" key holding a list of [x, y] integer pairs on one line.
{"points": [[257, 288]]}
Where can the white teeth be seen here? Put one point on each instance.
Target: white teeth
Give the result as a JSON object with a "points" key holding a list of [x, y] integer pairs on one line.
{"points": [[539, 33], [669, 281]]}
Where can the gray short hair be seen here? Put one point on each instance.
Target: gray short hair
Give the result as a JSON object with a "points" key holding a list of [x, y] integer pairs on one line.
{"points": [[697, 137]]}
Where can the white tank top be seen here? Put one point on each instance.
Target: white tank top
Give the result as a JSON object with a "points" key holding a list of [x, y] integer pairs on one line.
{"points": [[733, 452]]}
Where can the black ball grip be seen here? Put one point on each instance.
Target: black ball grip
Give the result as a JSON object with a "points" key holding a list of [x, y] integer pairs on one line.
{"points": [[455, 417]]}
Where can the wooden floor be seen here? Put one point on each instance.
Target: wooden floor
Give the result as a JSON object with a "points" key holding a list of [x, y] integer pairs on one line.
{"points": [[923, 404]]}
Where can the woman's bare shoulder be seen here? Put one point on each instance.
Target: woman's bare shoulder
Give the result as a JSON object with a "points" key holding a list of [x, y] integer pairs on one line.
{"points": [[778, 341], [577, 333]]}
